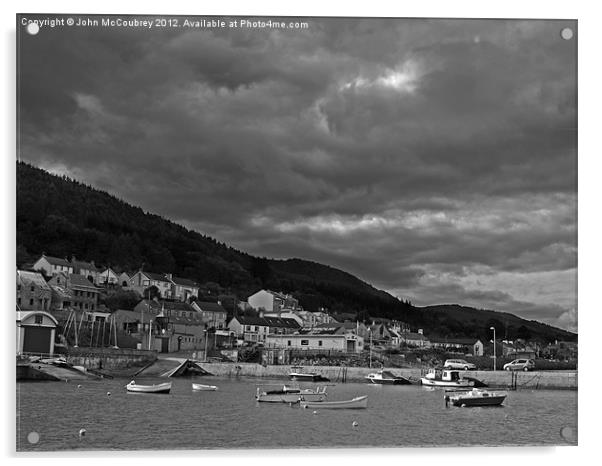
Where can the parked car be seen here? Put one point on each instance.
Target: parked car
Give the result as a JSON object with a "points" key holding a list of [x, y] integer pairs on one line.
{"points": [[459, 364], [520, 365]]}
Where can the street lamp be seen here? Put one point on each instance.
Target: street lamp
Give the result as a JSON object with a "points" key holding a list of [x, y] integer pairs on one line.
{"points": [[370, 330], [206, 335], [494, 358]]}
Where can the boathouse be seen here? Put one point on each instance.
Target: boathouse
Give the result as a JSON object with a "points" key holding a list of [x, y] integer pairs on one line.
{"points": [[35, 332]]}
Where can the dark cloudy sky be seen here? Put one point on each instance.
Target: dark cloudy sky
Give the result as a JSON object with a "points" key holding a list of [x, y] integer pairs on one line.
{"points": [[435, 159]]}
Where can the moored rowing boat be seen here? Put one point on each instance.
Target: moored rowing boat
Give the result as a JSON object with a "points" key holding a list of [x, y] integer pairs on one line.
{"points": [[360, 402], [158, 388]]}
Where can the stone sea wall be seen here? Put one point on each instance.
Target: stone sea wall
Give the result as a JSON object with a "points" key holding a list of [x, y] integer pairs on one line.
{"points": [[521, 380]]}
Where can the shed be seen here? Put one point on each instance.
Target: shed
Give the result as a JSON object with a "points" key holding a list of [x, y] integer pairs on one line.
{"points": [[35, 332]]}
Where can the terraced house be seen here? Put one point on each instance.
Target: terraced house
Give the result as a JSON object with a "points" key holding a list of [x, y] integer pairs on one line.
{"points": [[82, 294], [33, 293]]}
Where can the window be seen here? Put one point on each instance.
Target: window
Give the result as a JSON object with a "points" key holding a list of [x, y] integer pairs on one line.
{"points": [[39, 319], [32, 288], [31, 302], [288, 343], [304, 342], [319, 342]]}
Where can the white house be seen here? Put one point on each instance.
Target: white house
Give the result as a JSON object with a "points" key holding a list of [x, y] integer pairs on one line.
{"points": [[471, 346], [141, 280], [52, 265], [107, 277], [182, 288], [272, 301], [327, 339], [213, 314], [256, 329]]}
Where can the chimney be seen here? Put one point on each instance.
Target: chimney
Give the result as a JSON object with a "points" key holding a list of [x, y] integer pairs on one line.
{"points": [[261, 313], [169, 276]]}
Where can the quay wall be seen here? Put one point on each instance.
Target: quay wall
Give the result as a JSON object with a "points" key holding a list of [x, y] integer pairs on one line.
{"points": [[109, 358], [566, 380]]}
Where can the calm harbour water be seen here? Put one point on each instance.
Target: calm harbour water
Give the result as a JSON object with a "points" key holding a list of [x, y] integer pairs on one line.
{"points": [[54, 412]]}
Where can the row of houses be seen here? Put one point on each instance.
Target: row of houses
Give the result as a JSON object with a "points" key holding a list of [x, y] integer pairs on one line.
{"points": [[168, 285]]}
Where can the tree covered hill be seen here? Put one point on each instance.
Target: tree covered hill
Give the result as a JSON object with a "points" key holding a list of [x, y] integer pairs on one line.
{"points": [[63, 217]]}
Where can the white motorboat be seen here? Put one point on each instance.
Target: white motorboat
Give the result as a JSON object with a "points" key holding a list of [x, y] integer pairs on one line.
{"points": [[360, 402], [158, 388], [285, 394], [299, 374], [201, 387], [474, 397], [386, 378], [445, 378]]}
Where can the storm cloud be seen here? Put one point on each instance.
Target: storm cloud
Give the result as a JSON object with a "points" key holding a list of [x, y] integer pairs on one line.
{"points": [[435, 159]]}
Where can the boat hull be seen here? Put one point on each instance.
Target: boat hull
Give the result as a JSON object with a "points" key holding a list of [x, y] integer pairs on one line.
{"points": [[399, 381], [446, 383], [360, 402], [163, 388], [307, 377], [470, 402], [291, 395], [200, 387]]}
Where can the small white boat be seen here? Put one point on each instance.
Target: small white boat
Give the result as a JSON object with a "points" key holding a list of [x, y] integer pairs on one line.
{"points": [[386, 378], [360, 402], [201, 387], [298, 373], [445, 378], [284, 394], [474, 397], [158, 388]]}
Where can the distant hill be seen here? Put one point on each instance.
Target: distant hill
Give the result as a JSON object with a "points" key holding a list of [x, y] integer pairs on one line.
{"points": [[63, 217]]}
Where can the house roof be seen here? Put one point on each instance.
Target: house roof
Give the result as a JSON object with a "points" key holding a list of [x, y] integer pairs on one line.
{"points": [[207, 306], [455, 341], [413, 336], [61, 292], [184, 282], [269, 322], [156, 276], [80, 280], [332, 330], [35, 278], [156, 306], [56, 261], [84, 265]]}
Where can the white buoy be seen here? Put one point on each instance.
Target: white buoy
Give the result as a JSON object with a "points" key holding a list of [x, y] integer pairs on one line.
{"points": [[108, 393], [79, 386], [315, 412], [355, 424], [82, 432]]}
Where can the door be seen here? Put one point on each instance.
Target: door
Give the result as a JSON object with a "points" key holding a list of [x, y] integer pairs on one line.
{"points": [[37, 340], [165, 345]]}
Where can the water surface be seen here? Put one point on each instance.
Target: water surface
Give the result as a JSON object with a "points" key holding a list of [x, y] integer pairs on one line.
{"points": [[54, 412]]}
